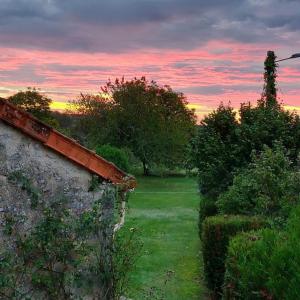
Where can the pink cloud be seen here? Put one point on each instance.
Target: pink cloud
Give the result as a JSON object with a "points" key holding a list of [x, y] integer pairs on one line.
{"points": [[218, 71]]}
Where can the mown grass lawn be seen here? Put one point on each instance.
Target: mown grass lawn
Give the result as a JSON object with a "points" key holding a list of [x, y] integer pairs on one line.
{"points": [[164, 210]]}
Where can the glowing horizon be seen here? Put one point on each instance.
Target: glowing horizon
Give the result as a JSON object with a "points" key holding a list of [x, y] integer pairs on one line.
{"points": [[200, 110]]}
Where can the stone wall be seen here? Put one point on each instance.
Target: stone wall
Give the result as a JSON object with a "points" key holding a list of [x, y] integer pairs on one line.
{"points": [[52, 176]]}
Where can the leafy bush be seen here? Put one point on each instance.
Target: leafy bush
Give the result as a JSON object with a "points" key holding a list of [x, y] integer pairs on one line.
{"points": [[126, 251], [118, 156], [269, 186], [265, 264], [216, 232]]}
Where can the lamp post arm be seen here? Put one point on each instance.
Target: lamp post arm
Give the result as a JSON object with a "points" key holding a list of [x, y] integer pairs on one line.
{"points": [[291, 57], [284, 59]]}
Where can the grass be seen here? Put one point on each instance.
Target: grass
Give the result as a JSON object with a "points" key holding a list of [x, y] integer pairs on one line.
{"points": [[165, 212]]}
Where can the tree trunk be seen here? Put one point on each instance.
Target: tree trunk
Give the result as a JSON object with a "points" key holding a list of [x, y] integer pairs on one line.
{"points": [[146, 169]]}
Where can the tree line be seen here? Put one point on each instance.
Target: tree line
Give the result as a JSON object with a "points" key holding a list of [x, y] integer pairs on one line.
{"points": [[145, 120]]}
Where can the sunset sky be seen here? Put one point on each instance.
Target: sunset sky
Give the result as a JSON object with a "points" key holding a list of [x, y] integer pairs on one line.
{"points": [[212, 51]]}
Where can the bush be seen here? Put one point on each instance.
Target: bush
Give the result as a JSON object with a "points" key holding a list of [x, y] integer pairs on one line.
{"points": [[269, 187], [207, 208], [216, 232], [117, 156], [265, 264]]}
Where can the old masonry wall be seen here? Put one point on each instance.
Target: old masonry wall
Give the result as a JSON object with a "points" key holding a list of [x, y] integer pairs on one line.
{"points": [[53, 176]]}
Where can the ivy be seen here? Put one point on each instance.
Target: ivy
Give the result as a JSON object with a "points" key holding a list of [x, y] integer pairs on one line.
{"points": [[62, 257]]}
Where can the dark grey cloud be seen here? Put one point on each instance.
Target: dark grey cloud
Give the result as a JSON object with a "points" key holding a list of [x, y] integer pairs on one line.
{"points": [[120, 25], [25, 73], [75, 68], [219, 89]]}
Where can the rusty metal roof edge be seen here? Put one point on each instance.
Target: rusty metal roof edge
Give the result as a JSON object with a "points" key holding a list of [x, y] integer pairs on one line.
{"points": [[126, 175], [128, 181]]}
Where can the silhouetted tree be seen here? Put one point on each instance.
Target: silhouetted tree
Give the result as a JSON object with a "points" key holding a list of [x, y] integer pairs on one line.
{"points": [[34, 103]]}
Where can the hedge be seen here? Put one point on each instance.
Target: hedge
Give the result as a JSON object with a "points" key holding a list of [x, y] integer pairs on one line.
{"points": [[264, 264], [216, 232], [207, 208]]}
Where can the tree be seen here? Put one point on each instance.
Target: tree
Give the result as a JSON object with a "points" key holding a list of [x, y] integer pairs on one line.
{"points": [[34, 103], [268, 122], [151, 120], [266, 125], [91, 121], [214, 150], [224, 144]]}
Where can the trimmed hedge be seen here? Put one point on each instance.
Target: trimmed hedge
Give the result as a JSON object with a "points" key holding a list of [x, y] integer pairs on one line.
{"points": [[207, 208], [264, 264], [216, 233]]}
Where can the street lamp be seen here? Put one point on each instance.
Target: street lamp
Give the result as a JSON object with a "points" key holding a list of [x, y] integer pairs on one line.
{"points": [[270, 92], [292, 56]]}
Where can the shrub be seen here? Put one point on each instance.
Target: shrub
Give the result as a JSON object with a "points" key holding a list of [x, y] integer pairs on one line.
{"points": [[117, 156], [269, 186], [207, 208], [216, 232], [126, 251], [265, 264]]}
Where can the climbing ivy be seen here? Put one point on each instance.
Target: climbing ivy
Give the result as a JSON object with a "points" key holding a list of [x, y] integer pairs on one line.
{"points": [[63, 256]]}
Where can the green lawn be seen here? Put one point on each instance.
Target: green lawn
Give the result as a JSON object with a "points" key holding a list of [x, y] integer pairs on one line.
{"points": [[165, 212]]}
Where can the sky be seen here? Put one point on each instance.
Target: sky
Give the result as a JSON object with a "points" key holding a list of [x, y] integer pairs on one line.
{"points": [[212, 51]]}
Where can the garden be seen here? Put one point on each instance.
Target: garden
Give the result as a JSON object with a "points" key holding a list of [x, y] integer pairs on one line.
{"points": [[216, 211]]}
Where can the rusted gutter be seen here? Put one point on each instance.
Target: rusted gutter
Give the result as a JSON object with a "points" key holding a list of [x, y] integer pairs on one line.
{"points": [[67, 147]]}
